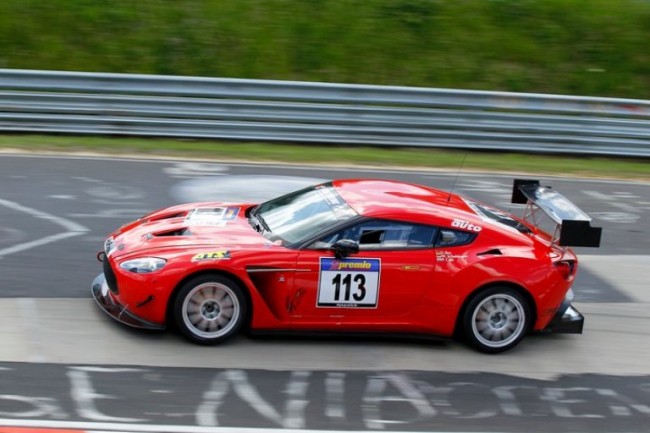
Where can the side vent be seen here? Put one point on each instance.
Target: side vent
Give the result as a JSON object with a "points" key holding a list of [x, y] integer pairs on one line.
{"points": [[492, 252]]}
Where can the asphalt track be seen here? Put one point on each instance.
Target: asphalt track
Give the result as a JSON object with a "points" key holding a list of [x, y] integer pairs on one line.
{"points": [[64, 365]]}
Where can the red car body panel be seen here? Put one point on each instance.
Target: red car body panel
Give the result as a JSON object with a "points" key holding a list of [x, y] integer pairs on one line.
{"points": [[419, 290]]}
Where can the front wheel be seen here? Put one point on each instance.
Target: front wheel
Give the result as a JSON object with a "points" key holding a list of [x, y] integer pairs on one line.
{"points": [[210, 309], [496, 319]]}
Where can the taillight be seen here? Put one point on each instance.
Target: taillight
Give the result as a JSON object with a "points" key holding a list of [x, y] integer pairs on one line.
{"points": [[566, 268]]}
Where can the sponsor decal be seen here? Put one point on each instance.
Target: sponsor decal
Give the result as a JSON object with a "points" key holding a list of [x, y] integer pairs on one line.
{"points": [[109, 246], [348, 283], [466, 225], [371, 265], [212, 216], [230, 213], [446, 256], [212, 255]]}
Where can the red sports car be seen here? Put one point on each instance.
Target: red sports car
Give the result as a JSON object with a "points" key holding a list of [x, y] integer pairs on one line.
{"points": [[353, 256]]}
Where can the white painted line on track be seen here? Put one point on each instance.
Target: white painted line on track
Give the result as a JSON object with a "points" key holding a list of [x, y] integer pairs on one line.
{"points": [[93, 427], [72, 228], [38, 243], [30, 322], [66, 224]]}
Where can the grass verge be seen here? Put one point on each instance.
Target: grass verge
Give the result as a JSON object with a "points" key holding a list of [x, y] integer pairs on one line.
{"points": [[576, 47], [570, 166]]}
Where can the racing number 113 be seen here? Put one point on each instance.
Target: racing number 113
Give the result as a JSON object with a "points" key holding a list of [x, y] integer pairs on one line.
{"points": [[358, 295], [348, 283]]}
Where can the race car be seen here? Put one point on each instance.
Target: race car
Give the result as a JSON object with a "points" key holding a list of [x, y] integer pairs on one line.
{"points": [[353, 256]]}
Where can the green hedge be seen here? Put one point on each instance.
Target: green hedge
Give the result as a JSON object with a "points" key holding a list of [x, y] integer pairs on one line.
{"points": [[579, 47]]}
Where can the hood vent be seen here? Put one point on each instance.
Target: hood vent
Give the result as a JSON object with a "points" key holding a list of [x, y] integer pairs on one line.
{"points": [[170, 233], [168, 216]]}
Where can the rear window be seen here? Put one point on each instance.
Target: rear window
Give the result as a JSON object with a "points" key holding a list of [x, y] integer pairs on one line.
{"points": [[490, 213]]}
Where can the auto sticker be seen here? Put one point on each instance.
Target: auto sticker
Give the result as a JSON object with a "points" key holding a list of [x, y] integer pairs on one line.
{"points": [[462, 224], [348, 283]]}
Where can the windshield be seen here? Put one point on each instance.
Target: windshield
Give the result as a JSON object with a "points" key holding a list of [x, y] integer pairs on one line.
{"points": [[296, 217]]}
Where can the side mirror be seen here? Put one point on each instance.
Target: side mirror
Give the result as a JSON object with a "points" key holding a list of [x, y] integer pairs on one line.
{"points": [[344, 247]]}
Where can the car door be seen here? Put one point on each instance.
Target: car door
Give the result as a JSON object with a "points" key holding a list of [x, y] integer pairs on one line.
{"points": [[378, 285]]}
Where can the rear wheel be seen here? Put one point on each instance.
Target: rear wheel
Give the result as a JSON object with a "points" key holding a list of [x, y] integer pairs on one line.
{"points": [[496, 319], [210, 309]]}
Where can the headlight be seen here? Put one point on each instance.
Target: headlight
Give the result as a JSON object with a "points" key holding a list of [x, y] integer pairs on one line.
{"points": [[143, 265]]}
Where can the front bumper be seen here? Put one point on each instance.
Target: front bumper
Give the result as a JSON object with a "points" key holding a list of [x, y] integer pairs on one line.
{"points": [[119, 312], [567, 320]]}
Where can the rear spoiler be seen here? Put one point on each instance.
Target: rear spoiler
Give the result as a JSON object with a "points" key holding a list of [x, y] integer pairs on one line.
{"points": [[573, 226]]}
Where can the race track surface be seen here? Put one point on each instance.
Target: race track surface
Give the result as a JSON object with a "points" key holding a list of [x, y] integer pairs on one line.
{"points": [[64, 365]]}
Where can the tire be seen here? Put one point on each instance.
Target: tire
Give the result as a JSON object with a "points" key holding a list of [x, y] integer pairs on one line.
{"points": [[209, 309], [496, 319]]}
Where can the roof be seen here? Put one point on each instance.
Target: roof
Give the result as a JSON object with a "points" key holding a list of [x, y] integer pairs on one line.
{"points": [[388, 198]]}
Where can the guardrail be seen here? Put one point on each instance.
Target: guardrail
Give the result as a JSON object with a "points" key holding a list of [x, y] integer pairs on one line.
{"points": [[304, 112]]}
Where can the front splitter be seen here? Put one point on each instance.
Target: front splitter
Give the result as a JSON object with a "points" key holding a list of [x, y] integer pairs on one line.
{"points": [[102, 295]]}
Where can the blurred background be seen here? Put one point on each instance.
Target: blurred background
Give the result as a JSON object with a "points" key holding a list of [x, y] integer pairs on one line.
{"points": [[571, 47]]}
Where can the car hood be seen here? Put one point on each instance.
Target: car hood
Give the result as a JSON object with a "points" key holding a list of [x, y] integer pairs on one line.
{"points": [[186, 226]]}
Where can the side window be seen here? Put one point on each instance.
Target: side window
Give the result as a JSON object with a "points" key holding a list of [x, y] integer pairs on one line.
{"points": [[383, 234], [450, 238]]}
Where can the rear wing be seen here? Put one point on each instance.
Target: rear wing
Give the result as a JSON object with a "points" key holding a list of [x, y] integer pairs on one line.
{"points": [[572, 225]]}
